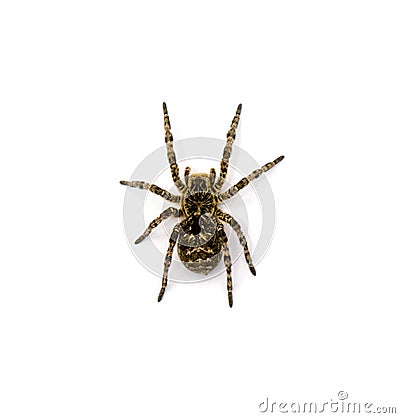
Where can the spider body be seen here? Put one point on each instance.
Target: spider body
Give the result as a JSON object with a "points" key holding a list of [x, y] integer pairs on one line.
{"points": [[200, 246], [200, 237]]}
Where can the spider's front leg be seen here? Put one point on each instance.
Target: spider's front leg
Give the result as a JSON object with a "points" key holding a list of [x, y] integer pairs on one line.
{"points": [[155, 222], [168, 259], [225, 217], [230, 138], [170, 151]]}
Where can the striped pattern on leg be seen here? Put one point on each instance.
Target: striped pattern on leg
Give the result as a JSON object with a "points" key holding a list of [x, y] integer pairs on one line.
{"points": [[246, 180], [168, 259], [170, 151], [212, 176], [228, 268], [230, 138], [225, 217], [186, 175], [142, 185], [155, 222]]}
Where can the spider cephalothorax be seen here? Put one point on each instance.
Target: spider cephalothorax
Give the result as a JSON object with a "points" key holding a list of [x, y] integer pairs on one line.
{"points": [[200, 235]]}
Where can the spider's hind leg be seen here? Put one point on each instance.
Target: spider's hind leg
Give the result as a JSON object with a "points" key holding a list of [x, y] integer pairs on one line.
{"points": [[228, 266], [168, 259], [225, 217]]}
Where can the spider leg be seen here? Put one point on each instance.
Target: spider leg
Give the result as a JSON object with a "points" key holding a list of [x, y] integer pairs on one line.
{"points": [[170, 151], [225, 217], [228, 266], [212, 176], [153, 188], [230, 138], [246, 180], [186, 175], [168, 259], [155, 222]]}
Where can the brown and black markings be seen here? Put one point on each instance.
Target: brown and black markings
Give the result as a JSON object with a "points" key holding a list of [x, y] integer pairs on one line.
{"points": [[200, 237]]}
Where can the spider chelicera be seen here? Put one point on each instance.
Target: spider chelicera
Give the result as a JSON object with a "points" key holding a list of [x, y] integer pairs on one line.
{"points": [[201, 237]]}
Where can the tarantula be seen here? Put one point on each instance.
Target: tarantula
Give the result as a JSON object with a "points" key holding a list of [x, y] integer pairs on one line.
{"points": [[200, 235]]}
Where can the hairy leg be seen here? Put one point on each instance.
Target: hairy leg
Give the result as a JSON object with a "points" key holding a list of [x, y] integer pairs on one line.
{"points": [[228, 266], [168, 259], [155, 222], [246, 180], [225, 217], [230, 138], [186, 175], [170, 151], [153, 188], [212, 176]]}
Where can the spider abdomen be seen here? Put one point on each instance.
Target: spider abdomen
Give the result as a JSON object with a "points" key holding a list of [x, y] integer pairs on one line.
{"points": [[200, 244], [201, 259]]}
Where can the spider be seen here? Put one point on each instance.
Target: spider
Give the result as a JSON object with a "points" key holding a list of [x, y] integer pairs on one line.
{"points": [[201, 237]]}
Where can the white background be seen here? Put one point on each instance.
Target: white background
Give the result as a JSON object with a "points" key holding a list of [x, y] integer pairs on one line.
{"points": [[81, 90]]}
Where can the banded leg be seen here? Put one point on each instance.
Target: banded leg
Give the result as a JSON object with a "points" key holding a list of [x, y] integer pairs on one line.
{"points": [[155, 222], [228, 268], [168, 259], [225, 217], [170, 151], [212, 176], [153, 188], [230, 138], [186, 175], [246, 180]]}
